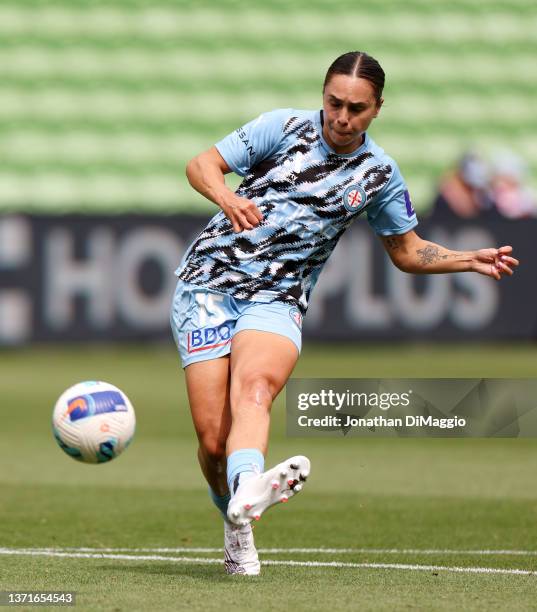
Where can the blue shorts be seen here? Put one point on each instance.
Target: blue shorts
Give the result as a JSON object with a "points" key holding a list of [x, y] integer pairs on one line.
{"points": [[204, 321]]}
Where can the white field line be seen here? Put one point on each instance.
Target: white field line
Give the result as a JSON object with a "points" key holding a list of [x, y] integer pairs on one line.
{"points": [[210, 561], [284, 551]]}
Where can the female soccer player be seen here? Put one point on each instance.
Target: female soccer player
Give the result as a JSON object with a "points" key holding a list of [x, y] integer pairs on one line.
{"points": [[245, 283]]}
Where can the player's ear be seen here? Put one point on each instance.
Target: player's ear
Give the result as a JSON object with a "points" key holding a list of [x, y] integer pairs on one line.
{"points": [[379, 106]]}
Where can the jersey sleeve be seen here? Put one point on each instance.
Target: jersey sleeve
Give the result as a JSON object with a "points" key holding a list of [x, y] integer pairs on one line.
{"points": [[253, 142], [393, 212]]}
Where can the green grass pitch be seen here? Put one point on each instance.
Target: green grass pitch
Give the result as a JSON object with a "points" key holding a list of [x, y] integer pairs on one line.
{"points": [[404, 524]]}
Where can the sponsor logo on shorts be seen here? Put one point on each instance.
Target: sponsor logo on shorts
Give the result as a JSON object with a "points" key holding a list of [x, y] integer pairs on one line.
{"points": [[296, 316], [208, 338], [354, 198]]}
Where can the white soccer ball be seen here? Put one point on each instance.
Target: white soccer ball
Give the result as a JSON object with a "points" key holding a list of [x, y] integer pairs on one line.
{"points": [[93, 421]]}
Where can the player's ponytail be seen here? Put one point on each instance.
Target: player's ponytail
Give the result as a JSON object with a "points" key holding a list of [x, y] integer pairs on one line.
{"points": [[360, 65]]}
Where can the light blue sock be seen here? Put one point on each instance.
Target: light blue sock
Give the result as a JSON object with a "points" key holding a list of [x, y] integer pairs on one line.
{"points": [[220, 501], [244, 462]]}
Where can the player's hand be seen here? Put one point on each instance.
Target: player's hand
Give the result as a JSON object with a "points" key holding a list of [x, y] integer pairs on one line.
{"points": [[243, 213], [495, 262]]}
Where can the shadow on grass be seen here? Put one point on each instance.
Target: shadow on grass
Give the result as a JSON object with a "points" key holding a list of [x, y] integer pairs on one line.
{"points": [[202, 573]]}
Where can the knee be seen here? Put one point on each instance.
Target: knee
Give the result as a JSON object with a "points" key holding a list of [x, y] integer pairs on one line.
{"points": [[256, 389]]}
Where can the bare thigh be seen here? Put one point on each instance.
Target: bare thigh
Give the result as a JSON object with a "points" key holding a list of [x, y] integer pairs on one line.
{"points": [[261, 363]]}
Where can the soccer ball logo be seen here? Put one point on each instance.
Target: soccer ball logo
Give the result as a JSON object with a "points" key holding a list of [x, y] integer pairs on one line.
{"points": [[354, 198], [93, 422]]}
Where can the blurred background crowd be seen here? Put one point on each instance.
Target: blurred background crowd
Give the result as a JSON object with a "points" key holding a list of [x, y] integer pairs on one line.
{"points": [[102, 103], [476, 186]]}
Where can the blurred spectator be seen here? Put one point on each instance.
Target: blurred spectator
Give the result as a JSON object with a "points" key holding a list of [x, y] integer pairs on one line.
{"points": [[474, 188], [510, 192], [465, 190]]}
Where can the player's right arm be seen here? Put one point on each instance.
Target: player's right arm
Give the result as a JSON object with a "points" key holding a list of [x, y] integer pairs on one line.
{"points": [[238, 152], [206, 173]]}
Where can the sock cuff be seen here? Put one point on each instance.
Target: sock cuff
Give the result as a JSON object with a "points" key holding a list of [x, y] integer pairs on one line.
{"points": [[244, 460], [247, 454]]}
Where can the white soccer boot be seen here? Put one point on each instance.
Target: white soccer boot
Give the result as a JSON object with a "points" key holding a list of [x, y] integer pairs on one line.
{"points": [[257, 493], [240, 554]]}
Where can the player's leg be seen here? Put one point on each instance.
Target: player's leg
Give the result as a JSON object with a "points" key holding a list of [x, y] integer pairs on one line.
{"points": [[261, 363], [208, 393], [264, 350], [255, 383], [202, 322]]}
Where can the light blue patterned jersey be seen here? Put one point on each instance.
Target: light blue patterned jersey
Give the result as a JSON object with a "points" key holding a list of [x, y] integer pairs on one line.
{"points": [[308, 196]]}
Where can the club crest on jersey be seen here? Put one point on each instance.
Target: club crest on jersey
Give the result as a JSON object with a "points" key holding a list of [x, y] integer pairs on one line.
{"points": [[354, 198], [296, 315]]}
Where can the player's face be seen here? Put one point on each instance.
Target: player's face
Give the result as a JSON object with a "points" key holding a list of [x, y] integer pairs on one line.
{"points": [[349, 106]]}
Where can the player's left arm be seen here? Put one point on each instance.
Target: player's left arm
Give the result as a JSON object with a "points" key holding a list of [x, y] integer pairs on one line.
{"points": [[412, 254]]}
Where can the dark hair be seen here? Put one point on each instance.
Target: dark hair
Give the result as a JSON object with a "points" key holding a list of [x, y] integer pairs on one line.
{"points": [[360, 65]]}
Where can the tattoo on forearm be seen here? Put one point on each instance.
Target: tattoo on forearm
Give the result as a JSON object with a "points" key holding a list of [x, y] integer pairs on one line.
{"points": [[430, 255], [392, 243]]}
